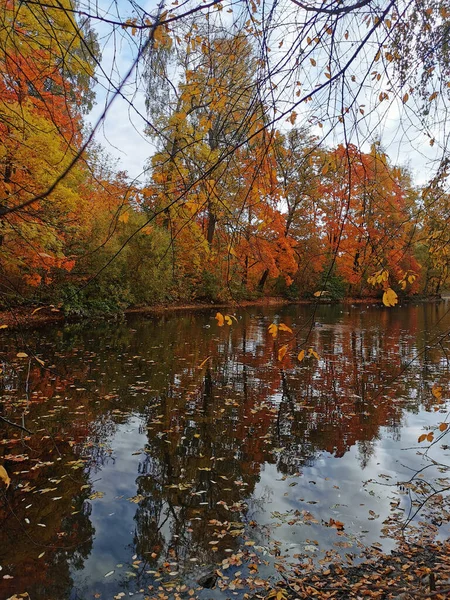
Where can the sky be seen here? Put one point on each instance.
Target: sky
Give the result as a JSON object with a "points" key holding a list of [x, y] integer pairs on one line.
{"points": [[122, 132]]}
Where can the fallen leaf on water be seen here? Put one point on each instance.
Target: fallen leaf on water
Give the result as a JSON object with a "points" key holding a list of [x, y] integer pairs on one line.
{"points": [[109, 573], [96, 495], [203, 363]]}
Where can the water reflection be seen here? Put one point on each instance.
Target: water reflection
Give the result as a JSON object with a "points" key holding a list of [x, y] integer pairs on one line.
{"points": [[160, 444]]}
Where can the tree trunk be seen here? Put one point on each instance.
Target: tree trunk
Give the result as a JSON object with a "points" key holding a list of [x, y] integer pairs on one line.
{"points": [[263, 280]]}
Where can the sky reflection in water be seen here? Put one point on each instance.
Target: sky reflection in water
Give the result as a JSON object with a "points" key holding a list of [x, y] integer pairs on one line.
{"points": [[140, 459]]}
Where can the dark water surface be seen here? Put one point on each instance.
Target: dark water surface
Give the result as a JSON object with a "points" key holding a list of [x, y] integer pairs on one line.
{"points": [[146, 468]]}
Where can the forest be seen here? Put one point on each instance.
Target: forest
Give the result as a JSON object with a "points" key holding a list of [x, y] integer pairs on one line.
{"points": [[265, 174], [295, 150]]}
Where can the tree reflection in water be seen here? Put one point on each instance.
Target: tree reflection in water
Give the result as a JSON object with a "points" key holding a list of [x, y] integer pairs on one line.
{"points": [[127, 405]]}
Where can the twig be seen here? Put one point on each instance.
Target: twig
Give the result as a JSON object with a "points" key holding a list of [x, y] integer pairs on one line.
{"points": [[15, 425]]}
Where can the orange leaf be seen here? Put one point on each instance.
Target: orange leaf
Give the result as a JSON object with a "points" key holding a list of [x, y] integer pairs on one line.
{"points": [[443, 426], [284, 327], [436, 390], [422, 438], [301, 355], [273, 330], [282, 351], [430, 437], [220, 319]]}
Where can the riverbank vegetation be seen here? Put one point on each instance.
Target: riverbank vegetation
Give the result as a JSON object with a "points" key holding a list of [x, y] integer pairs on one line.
{"points": [[253, 188]]}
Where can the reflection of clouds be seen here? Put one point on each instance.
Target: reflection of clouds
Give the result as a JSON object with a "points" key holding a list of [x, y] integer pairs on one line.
{"points": [[112, 515], [226, 442], [335, 488]]}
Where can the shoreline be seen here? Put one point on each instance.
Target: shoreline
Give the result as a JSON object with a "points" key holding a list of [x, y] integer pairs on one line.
{"points": [[39, 316]]}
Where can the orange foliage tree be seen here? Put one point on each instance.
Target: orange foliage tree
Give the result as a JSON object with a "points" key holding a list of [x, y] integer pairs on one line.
{"points": [[45, 69]]}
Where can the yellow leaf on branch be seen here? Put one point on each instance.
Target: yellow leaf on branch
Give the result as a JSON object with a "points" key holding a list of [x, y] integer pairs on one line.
{"points": [[390, 298], [273, 330], [282, 352], [4, 476]]}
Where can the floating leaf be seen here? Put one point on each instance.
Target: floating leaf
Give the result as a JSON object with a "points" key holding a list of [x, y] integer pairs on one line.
{"points": [[390, 298], [109, 573], [336, 524], [4, 476], [282, 351], [284, 327], [228, 320], [301, 355], [443, 426], [220, 319], [312, 352], [3, 326], [22, 355], [203, 363], [96, 495]]}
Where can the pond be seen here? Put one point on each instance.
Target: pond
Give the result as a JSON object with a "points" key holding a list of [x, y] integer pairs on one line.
{"points": [[164, 447]]}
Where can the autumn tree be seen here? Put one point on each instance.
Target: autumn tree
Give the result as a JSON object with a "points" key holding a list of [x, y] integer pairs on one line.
{"points": [[213, 97], [434, 238], [206, 169], [47, 61], [367, 209]]}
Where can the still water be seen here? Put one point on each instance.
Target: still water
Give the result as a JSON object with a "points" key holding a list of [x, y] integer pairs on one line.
{"points": [[165, 447]]}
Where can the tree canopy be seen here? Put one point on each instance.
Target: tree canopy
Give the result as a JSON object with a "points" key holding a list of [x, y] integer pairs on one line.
{"points": [[281, 134]]}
